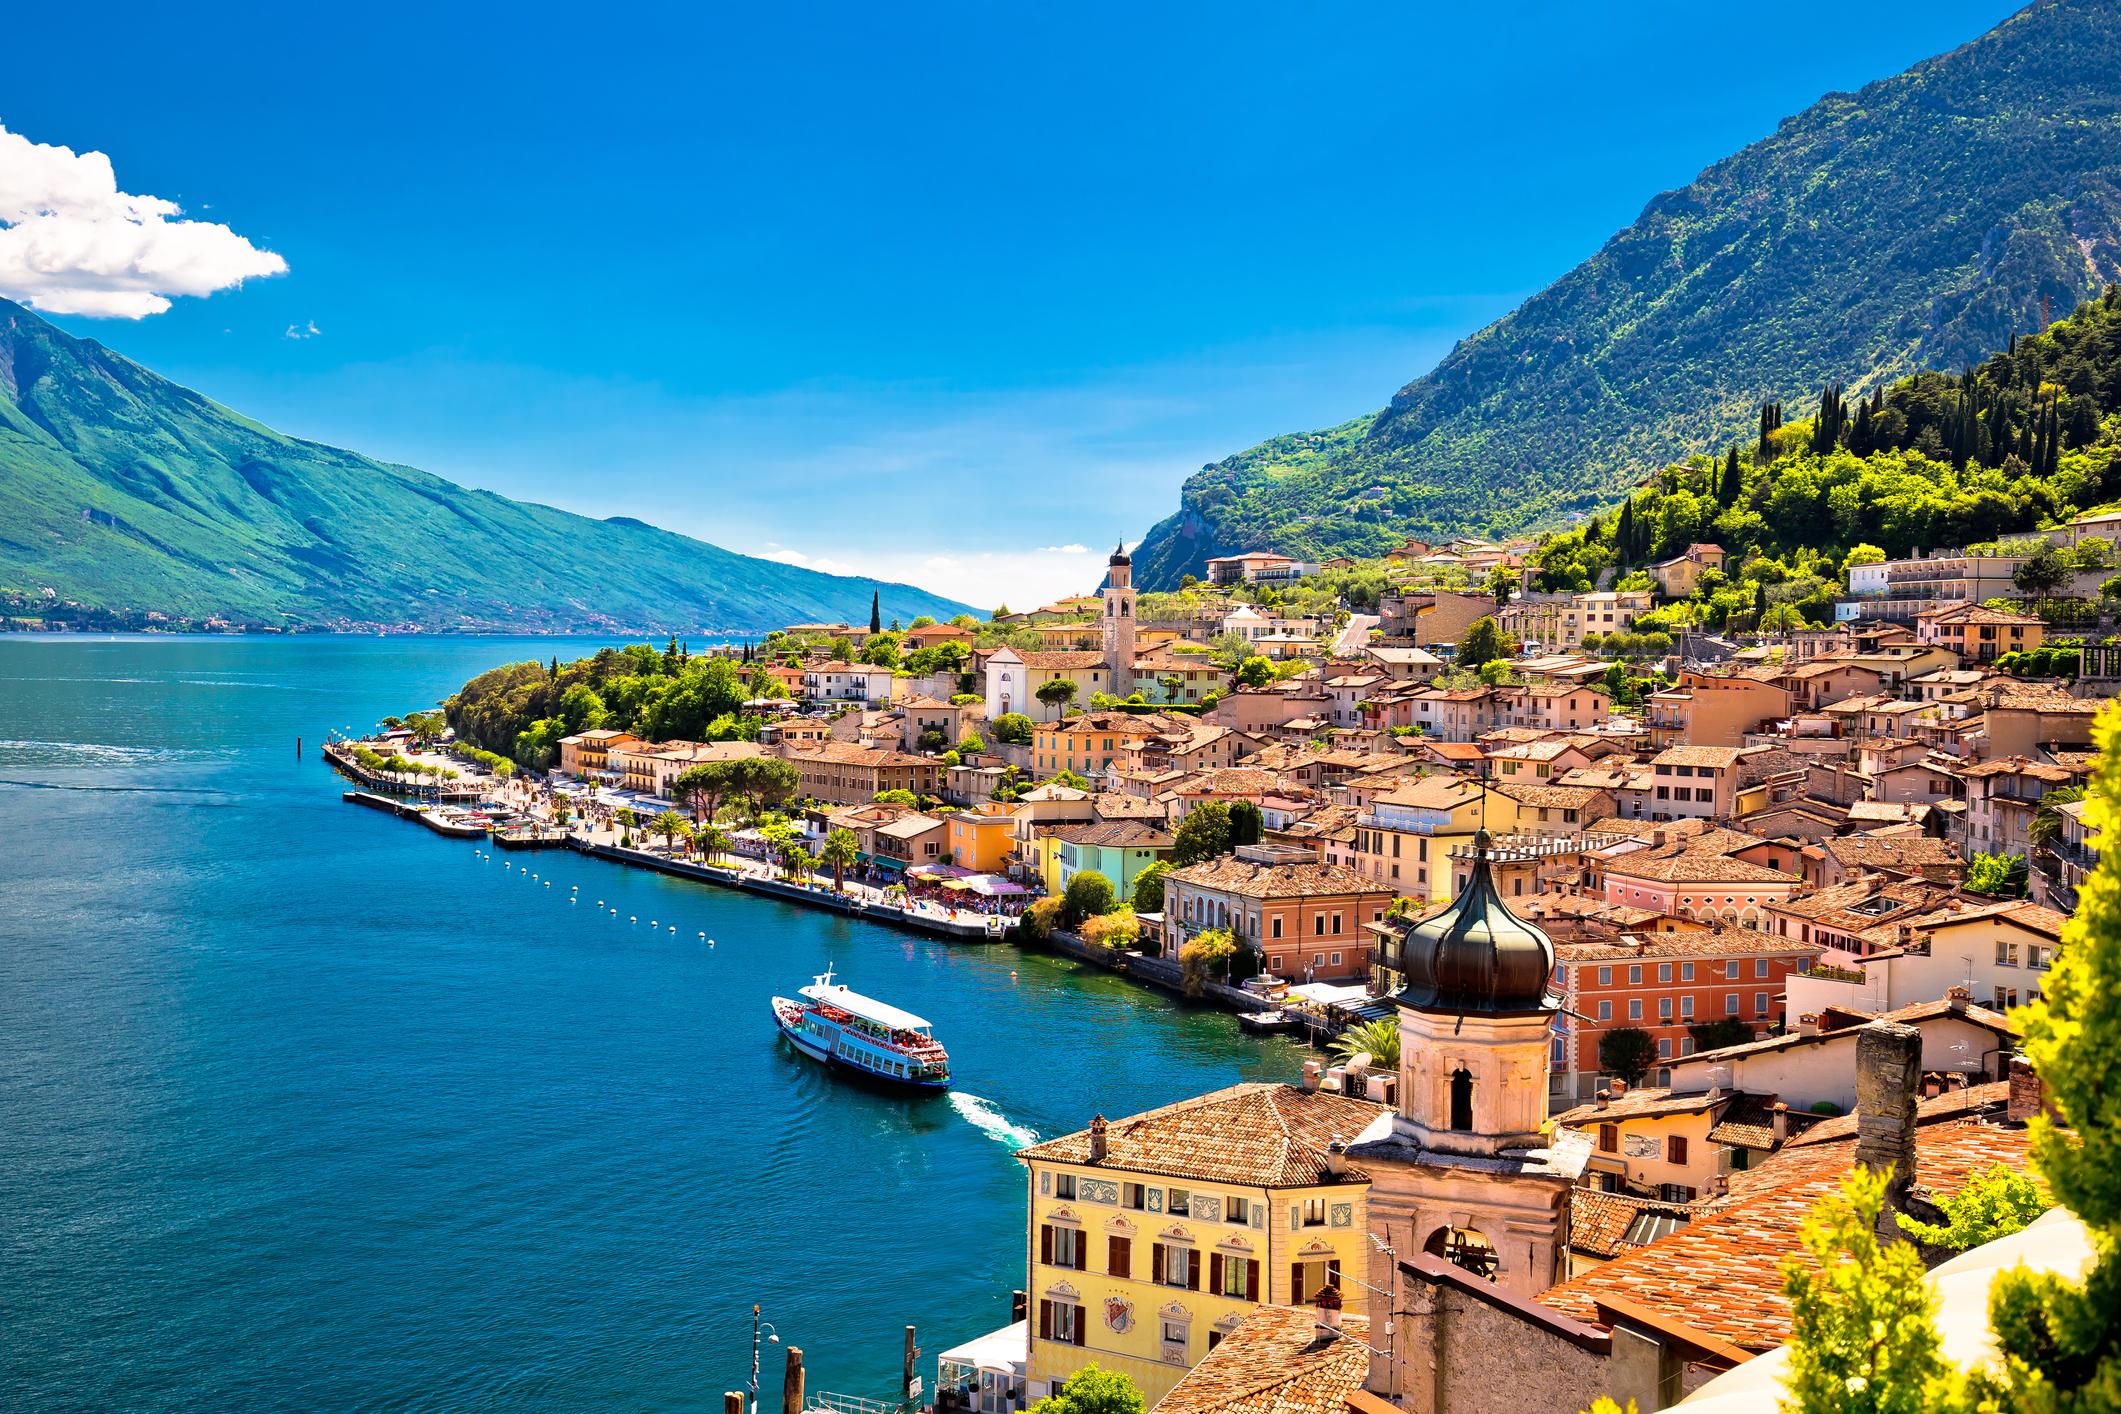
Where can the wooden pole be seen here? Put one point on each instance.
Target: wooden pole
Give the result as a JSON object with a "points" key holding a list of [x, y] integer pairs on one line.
{"points": [[912, 1354], [733, 1402], [792, 1382]]}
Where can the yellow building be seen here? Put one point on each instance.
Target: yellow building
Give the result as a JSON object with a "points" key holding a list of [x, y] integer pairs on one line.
{"points": [[1405, 838], [1087, 743], [1151, 1238], [982, 841]]}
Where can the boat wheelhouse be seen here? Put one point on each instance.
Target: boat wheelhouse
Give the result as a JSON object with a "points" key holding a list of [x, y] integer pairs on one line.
{"points": [[826, 1021]]}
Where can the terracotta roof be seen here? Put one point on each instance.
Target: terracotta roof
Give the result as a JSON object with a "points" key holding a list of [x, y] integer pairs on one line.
{"points": [[1111, 805], [1649, 947], [1749, 1122], [847, 753], [1722, 1272], [1599, 1222], [1250, 879], [908, 827], [1638, 1104], [1883, 851], [1713, 756], [1260, 1135], [1061, 660], [1123, 834], [1937, 1109], [1994, 1021], [1552, 797], [1277, 1361], [1695, 866]]}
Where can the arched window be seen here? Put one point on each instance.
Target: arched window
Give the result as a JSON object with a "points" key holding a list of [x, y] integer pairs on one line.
{"points": [[1464, 1247], [1462, 1099]]}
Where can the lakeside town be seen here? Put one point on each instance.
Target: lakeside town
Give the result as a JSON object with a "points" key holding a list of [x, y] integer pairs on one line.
{"points": [[1627, 945]]}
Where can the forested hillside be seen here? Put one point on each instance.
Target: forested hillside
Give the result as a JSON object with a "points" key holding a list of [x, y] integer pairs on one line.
{"points": [[1916, 224], [2029, 437], [122, 490]]}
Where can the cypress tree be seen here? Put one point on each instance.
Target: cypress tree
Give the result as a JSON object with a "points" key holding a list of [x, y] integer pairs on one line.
{"points": [[876, 611], [1733, 482], [1624, 537]]}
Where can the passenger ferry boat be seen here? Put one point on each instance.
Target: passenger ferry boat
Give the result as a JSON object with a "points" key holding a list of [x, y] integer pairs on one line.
{"points": [[846, 1029]]}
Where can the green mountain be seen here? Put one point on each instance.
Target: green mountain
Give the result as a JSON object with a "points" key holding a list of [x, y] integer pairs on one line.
{"points": [[1916, 224], [121, 490]]}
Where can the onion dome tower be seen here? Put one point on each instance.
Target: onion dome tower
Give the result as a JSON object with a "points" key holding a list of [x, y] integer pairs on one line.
{"points": [[1476, 1012]]}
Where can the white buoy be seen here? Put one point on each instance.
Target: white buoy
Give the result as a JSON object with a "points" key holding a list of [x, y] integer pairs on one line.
{"points": [[703, 934], [673, 927], [633, 918]]}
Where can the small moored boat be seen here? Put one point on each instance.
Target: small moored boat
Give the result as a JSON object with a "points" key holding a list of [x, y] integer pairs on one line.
{"points": [[845, 1029]]}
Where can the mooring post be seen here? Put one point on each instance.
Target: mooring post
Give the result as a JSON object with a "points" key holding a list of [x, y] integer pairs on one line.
{"points": [[792, 1382], [733, 1402]]}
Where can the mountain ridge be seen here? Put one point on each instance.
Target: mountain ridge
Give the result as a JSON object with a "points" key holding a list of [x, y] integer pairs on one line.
{"points": [[122, 489], [1914, 223]]}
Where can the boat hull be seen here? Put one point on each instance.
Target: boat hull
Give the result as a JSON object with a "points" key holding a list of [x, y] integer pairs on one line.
{"points": [[787, 1019]]}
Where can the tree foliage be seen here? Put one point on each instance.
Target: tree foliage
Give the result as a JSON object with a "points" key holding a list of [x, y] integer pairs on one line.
{"points": [[1091, 1390], [2061, 1337], [1628, 1052], [1203, 834], [1863, 1333], [1088, 894]]}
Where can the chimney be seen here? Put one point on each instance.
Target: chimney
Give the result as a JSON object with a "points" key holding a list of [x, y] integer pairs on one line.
{"points": [[1779, 1126], [1888, 1068], [1097, 1139], [1618, 1088], [2027, 1095], [1602, 1099], [1957, 998], [1336, 1157], [1809, 1024], [1312, 1068]]}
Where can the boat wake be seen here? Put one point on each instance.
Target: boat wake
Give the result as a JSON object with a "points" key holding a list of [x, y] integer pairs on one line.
{"points": [[992, 1122]]}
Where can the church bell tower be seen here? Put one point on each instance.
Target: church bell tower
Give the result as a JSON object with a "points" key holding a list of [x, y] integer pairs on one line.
{"points": [[1119, 621]]}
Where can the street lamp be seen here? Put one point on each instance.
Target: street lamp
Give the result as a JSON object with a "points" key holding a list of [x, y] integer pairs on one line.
{"points": [[759, 1328]]}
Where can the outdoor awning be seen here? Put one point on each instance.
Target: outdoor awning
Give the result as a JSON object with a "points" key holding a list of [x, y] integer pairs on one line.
{"points": [[1006, 1349], [993, 885], [938, 871]]}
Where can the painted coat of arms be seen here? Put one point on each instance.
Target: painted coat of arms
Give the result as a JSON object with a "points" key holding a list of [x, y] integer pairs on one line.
{"points": [[1119, 1313]]}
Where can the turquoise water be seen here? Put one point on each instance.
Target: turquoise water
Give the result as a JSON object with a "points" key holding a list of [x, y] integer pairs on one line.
{"points": [[304, 1107]]}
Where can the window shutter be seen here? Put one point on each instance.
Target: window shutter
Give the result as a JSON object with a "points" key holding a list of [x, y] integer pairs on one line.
{"points": [[1082, 1250], [1119, 1257], [1296, 1283], [1080, 1325], [1333, 1271], [1045, 1320], [1251, 1279], [1215, 1273], [1045, 1244], [1193, 1270], [1156, 1262]]}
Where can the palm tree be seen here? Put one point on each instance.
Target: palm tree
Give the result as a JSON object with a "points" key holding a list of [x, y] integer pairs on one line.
{"points": [[840, 851], [1379, 1039], [713, 840], [2046, 827], [669, 825]]}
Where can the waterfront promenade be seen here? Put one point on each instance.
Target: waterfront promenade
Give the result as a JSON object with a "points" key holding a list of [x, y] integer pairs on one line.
{"points": [[592, 828]]}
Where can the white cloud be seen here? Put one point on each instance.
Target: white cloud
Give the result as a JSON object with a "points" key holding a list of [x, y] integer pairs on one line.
{"points": [[822, 564], [72, 243], [973, 574], [1064, 549], [307, 330]]}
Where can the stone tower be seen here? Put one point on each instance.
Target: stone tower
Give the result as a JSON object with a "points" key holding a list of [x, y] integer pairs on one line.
{"points": [[1464, 1171], [1119, 621]]}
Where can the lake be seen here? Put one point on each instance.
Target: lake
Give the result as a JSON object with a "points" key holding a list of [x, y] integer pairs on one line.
{"points": [[305, 1107]]}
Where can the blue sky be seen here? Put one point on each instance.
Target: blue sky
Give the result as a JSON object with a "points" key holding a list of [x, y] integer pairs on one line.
{"points": [[950, 293]]}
